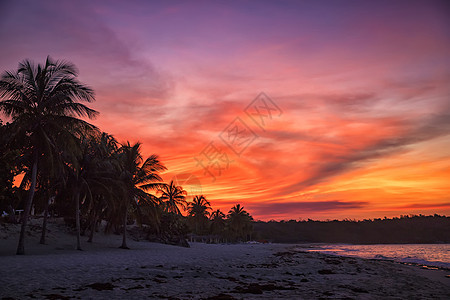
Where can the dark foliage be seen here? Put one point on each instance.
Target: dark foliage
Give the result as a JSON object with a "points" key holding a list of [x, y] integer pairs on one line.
{"points": [[173, 229], [415, 229], [8, 169]]}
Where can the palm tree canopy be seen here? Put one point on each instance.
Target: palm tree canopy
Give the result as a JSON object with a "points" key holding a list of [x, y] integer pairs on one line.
{"points": [[237, 210], [173, 196], [217, 215], [217, 221], [95, 169], [35, 92], [139, 175], [239, 220], [199, 207], [44, 102]]}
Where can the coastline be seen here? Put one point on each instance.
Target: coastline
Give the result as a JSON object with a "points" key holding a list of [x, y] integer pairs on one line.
{"points": [[421, 255], [205, 271]]}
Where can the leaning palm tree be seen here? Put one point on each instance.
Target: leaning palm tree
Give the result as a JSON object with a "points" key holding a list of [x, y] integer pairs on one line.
{"points": [[138, 177], [172, 197], [44, 104], [198, 210]]}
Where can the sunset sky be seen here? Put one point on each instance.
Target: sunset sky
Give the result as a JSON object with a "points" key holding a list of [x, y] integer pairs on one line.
{"points": [[295, 109]]}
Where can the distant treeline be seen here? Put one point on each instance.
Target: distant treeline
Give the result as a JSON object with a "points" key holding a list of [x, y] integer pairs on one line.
{"points": [[405, 229]]}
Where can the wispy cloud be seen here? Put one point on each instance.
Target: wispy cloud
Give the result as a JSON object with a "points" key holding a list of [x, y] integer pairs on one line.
{"points": [[330, 164], [356, 93]]}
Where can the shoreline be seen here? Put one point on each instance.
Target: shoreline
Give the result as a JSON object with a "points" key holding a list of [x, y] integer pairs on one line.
{"points": [[335, 249], [438, 273]]}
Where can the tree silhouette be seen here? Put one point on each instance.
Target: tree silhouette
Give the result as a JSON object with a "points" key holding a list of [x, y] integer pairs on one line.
{"points": [[406, 229], [44, 103], [217, 223], [91, 180], [106, 187], [198, 211], [239, 222], [137, 177], [173, 196]]}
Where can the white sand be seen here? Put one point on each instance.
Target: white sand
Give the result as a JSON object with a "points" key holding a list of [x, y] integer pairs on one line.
{"points": [[244, 271]]}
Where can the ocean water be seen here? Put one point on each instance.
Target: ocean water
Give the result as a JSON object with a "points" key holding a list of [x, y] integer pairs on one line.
{"points": [[432, 255]]}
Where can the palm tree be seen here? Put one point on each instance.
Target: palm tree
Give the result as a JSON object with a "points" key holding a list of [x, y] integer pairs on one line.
{"points": [[173, 196], [239, 221], [91, 179], [198, 210], [106, 188], [138, 177], [44, 104], [217, 223]]}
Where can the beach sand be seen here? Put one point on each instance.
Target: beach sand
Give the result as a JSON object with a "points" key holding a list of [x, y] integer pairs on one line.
{"points": [[204, 271]]}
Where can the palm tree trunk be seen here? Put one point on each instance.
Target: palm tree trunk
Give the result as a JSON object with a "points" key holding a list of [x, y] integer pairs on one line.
{"points": [[124, 239], [77, 218], [93, 224], [26, 212], [44, 223]]}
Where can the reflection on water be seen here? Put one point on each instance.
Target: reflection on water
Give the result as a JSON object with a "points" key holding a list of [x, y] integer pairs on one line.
{"points": [[426, 254]]}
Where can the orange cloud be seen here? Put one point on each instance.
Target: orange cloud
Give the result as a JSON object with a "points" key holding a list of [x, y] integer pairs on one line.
{"points": [[364, 128]]}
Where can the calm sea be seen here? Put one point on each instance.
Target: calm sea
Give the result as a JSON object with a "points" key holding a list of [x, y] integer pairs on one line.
{"points": [[434, 255]]}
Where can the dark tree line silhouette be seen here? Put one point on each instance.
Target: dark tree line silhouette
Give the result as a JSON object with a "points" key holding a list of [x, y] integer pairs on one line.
{"points": [[73, 170], [414, 229]]}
